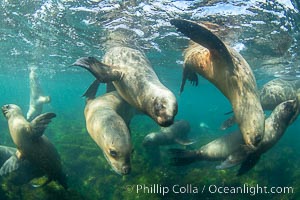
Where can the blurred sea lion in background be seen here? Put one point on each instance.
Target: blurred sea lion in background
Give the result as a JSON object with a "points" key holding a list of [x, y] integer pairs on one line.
{"points": [[37, 100], [176, 133], [208, 56], [107, 120], [277, 91]]}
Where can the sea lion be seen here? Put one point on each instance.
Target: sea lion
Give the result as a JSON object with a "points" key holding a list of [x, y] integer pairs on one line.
{"points": [[107, 119], [37, 100], [228, 123], [176, 133], [229, 72], [32, 144], [272, 94], [135, 80], [276, 91], [23, 171], [5, 153], [230, 148]]}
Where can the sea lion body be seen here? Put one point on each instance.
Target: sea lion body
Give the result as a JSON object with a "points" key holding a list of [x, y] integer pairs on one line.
{"points": [[23, 170], [231, 149], [107, 119], [37, 100], [176, 133], [275, 126], [219, 148], [32, 144], [135, 80], [272, 94], [229, 72], [277, 91], [146, 91]]}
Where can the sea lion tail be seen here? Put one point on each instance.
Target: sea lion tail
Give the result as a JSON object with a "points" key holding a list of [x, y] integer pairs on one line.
{"points": [[39, 124], [90, 93], [182, 157]]}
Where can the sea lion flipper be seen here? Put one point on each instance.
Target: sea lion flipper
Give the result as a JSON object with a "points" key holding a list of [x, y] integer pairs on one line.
{"points": [[233, 159], [44, 99], [190, 75], [228, 123], [185, 141], [248, 164], [110, 87], [39, 124], [182, 157], [10, 165], [104, 73], [90, 93], [229, 112], [201, 35], [226, 164]]}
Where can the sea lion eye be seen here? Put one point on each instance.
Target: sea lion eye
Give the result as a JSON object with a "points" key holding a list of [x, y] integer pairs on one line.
{"points": [[158, 108], [7, 106], [113, 153]]}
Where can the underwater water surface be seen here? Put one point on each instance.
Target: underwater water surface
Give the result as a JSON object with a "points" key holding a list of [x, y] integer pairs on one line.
{"points": [[52, 34]]}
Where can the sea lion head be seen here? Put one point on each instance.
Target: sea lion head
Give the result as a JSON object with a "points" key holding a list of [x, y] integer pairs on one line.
{"points": [[9, 110], [117, 151], [164, 108], [150, 139], [119, 161], [253, 130], [286, 112], [275, 92]]}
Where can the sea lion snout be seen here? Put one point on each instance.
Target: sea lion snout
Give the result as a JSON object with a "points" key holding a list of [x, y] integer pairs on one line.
{"points": [[165, 117], [5, 109], [126, 169], [166, 121], [164, 109], [252, 142], [8, 107]]}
